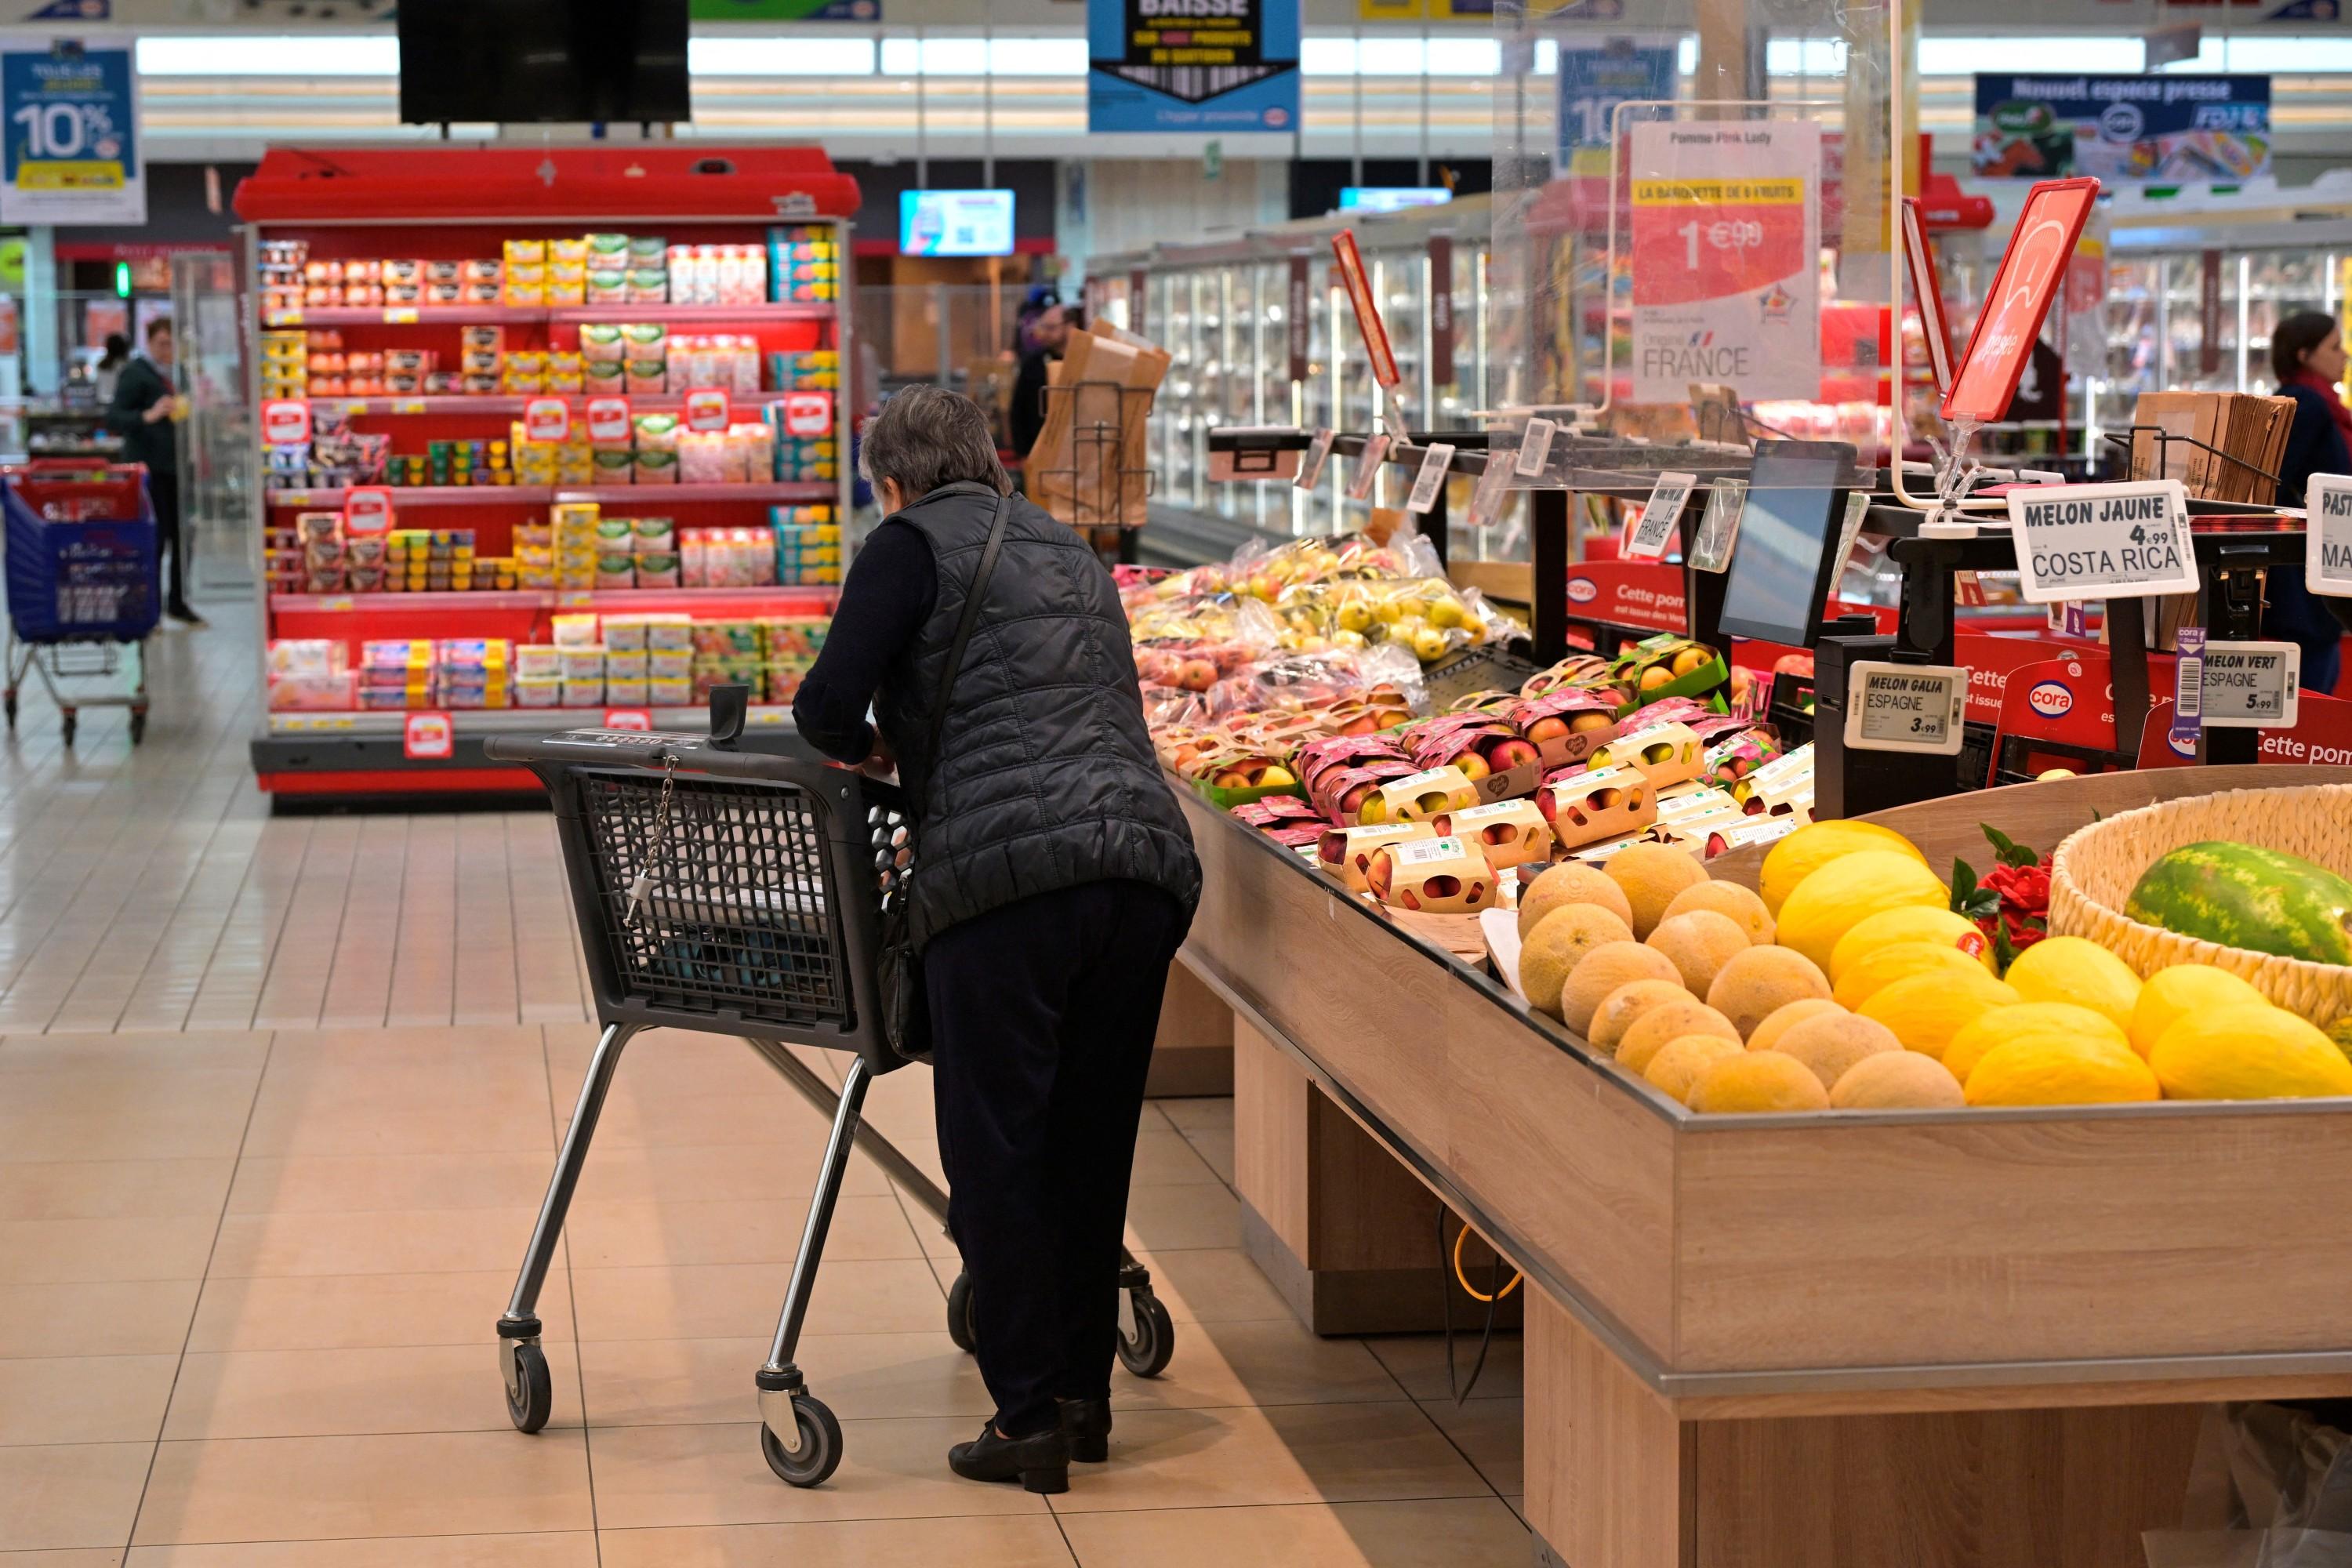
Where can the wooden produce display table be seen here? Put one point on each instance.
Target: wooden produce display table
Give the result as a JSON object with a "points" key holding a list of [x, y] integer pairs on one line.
{"points": [[1978, 1339]]}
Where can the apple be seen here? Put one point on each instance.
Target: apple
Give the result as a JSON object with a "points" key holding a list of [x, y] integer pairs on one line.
{"points": [[1691, 660], [1430, 645], [1504, 755], [1331, 849], [1354, 616], [1275, 778], [1380, 875], [1196, 675], [1442, 886], [1473, 765], [1445, 613], [1657, 675], [1499, 833], [1364, 724], [1429, 803], [1547, 728], [1586, 722], [1373, 811]]}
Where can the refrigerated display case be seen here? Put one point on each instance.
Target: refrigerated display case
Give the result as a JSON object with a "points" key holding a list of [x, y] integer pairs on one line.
{"points": [[547, 436]]}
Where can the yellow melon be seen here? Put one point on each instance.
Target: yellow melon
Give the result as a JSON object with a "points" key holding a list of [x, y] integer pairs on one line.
{"points": [[1997, 1026], [1814, 846], [1559, 942], [1766, 1036], [1927, 1010], [1677, 1066], [1865, 978], [1699, 942], [1758, 983], [1571, 882], [2042, 1070], [1849, 891], [2078, 970], [1603, 969], [1831, 1043], [1741, 904], [1622, 1007], [1897, 1080], [1651, 874], [1756, 1081], [1669, 1021], [2169, 994], [1913, 922], [2248, 1052]]}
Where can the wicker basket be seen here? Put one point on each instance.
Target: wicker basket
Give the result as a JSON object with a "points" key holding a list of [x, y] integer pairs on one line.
{"points": [[2094, 871]]}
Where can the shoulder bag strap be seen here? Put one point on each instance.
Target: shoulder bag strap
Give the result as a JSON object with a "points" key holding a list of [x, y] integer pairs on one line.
{"points": [[978, 592]]}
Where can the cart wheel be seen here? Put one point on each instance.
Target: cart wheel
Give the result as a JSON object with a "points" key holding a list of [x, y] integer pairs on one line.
{"points": [[529, 1412], [66, 726], [138, 728], [817, 1445], [962, 1326], [1154, 1344]]}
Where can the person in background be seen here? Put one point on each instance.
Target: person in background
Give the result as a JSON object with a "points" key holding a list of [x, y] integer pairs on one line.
{"points": [[1054, 879], [2307, 357], [109, 369], [144, 412], [1048, 332]]}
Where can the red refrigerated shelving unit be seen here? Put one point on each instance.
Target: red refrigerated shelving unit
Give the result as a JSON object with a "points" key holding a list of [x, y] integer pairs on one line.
{"points": [[457, 203]]}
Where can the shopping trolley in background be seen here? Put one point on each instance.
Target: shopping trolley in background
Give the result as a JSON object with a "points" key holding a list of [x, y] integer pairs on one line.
{"points": [[741, 894], [83, 583]]}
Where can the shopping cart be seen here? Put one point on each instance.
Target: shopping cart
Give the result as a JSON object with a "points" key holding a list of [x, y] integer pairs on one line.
{"points": [[83, 583], [741, 894]]}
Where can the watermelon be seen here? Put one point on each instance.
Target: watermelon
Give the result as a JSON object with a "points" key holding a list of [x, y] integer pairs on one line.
{"points": [[2242, 896]]}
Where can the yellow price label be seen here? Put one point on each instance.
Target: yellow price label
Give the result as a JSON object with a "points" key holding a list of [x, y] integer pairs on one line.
{"points": [[70, 174], [399, 315], [336, 602], [355, 405], [1709, 193], [408, 406]]}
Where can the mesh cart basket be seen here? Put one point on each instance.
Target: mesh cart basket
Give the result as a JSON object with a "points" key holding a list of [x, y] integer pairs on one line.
{"points": [[741, 894], [83, 583]]}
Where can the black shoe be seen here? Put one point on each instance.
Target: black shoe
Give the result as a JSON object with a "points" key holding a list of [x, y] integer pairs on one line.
{"points": [[1042, 1463], [1087, 1424], [187, 617]]}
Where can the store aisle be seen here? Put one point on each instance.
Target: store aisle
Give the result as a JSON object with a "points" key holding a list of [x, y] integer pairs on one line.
{"points": [[277, 1098]]}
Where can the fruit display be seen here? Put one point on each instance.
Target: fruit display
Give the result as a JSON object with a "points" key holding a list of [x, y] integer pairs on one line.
{"points": [[1849, 980], [2242, 896]]}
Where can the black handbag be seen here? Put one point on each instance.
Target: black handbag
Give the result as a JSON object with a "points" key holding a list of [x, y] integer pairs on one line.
{"points": [[905, 1007]]}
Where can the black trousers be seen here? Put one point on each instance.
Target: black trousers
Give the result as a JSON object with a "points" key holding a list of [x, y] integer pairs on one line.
{"points": [[163, 489], [1042, 1014]]}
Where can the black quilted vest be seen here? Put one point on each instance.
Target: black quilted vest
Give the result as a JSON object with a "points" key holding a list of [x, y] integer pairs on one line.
{"points": [[1047, 778]]}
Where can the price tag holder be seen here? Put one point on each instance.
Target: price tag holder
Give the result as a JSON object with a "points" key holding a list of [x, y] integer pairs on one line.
{"points": [[608, 420], [1430, 482], [1535, 447], [1310, 467], [1368, 466], [367, 510], [1857, 507], [2328, 568], [286, 421], [400, 316], [2102, 541], [1486, 495], [705, 408], [1904, 707], [2249, 685], [2188, 692], [427, 738], [547, 419], [1654, 529], [1719, 528], [808, 414], [637, 719]]}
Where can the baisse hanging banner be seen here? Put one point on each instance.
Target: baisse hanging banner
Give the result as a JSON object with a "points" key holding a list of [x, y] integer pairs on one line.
{"points": [[1725, 259], [1205, 66]]}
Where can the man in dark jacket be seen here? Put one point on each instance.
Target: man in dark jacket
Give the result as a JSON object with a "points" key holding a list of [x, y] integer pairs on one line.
{"points": [[1047, 334], [145, 412], [1054, 880]]}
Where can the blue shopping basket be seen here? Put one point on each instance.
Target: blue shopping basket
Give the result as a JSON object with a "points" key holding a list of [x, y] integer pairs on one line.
{"points": [[82, 561]]}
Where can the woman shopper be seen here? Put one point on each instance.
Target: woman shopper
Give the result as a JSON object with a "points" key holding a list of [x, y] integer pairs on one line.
{"points": [[2307, 357], [1053, 881]]}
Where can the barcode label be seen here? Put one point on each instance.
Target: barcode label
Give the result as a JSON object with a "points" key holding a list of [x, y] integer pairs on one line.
{"points": [[1194, 84], [2188, 694]]}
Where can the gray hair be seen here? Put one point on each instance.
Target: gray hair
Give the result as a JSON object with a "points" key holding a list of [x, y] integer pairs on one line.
{"points": [[927, 437]]}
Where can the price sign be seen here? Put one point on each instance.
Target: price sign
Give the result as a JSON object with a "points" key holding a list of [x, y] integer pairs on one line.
{"points": [[1359, 285], [2188, 692], [705, 408], [1904, 707], [2249, 685], [1310, 467], [808, 414], [367, 510], [1654, 529], [427, 737], [2102, 541], [1718, 530], [286, 420], [1535, 446], [69, 121], [1486, 497], [1368, 466], [1430, 482], [2328, 569], [608, 420], [547, 419], [639, 718]]}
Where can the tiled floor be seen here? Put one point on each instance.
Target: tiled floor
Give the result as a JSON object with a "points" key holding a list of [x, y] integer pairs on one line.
{"points": [[277, 1099]]}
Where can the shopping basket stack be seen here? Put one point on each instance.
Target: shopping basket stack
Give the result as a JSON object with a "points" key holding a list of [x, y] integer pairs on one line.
{"points": [[83, 583], [739, 893]]}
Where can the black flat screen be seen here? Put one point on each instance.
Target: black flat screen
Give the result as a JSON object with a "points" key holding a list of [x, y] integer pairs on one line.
{"points": [[543, 61], [1779, 573]]}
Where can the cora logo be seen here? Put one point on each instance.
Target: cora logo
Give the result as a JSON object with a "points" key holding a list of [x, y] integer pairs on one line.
{"points": [[2051, 698], [1581, 591]]}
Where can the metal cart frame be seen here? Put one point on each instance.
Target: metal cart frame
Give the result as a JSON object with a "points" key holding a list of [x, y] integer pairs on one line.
{"points": [[70, 610], [739, 893]]}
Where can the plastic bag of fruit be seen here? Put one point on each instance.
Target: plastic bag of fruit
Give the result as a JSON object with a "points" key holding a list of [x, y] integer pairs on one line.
{"points": [[1297, 680], [1207, 618], [1265, 572]]}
